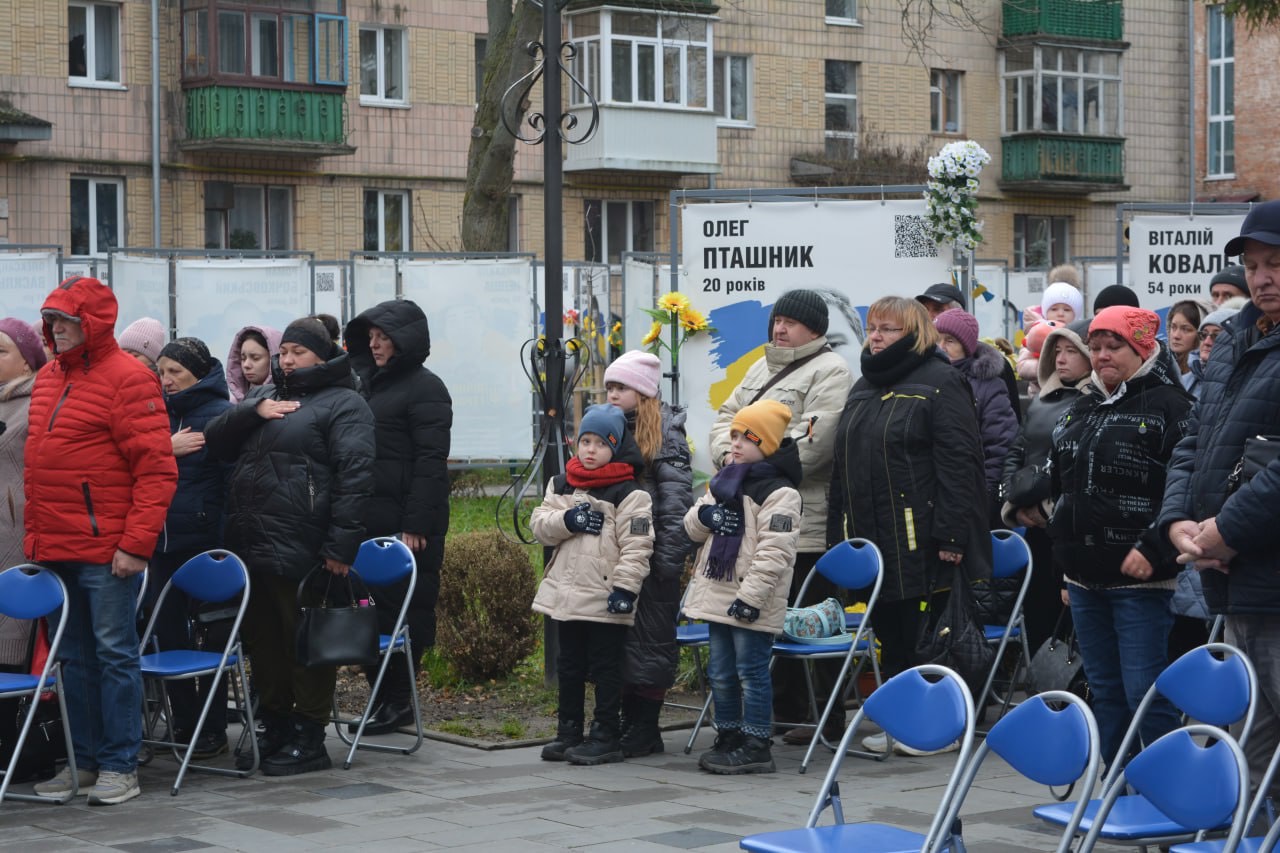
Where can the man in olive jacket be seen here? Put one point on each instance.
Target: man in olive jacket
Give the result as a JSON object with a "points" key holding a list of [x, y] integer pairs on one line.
{"points": [[801, 371]]}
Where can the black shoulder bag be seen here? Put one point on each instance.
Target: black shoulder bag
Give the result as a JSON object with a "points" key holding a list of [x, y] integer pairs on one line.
{"points": [[337, 634]]}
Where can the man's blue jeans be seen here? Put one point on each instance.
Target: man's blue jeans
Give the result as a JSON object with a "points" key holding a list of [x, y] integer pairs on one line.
{"points": [[738, 667], [1124, 641], [100, 673]]}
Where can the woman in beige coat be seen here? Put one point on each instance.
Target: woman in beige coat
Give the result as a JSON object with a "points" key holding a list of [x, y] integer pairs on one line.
{"points": [[21, 355], [749, 521], [600, 522]]}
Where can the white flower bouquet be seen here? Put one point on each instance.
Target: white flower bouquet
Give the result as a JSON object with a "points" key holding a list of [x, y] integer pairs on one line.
{"points": [[951, 196]]}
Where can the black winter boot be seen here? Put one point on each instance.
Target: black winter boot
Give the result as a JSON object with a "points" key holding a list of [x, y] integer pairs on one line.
{"points": [[643, 736], [568, 735], [275, 733], [600, 747], [727, 740], [751, 756], [304, 753]]}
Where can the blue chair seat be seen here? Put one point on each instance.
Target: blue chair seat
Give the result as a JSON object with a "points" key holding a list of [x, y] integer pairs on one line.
{"points": [[863, 837], [852, 621], [12, 682], [789, 647], [181, 662], [384, 642], [1131, 817], [698, 633], [994, 632]]}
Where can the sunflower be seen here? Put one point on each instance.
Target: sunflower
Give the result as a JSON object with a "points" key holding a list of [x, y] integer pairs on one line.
{"points": [[674, 303], [692, 320], [655, 332]]}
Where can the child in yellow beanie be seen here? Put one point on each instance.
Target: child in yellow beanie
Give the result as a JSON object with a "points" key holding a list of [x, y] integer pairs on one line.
{"points": [[749, 521]]}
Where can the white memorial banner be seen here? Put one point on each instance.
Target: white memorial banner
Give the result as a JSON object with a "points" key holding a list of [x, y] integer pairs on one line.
{"points": [[26, 278], [480, 316], [739, 258], [330, 288], [1172, 258], [141, 286], [374, 282], [216, 297]]}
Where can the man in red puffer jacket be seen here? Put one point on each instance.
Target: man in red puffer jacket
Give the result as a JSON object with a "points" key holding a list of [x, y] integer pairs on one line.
{"points": [[99, 475]]}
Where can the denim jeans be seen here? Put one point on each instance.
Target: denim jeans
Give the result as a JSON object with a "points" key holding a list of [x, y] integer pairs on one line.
{"points": [[100, 672], [1124, 641], [738, 668]]}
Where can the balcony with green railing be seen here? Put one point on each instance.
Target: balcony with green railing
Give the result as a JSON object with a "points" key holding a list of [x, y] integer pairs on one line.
{"points": [[1060, 163], [280, 121], [1101, 20]]}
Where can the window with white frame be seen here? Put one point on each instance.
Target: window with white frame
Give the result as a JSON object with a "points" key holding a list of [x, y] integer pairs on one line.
{"points": [[1222, 100], [944, 101], [386, 221], [259, 218], [1054, 89], [842, 11], [382, 65], [1040, 241], [841, 89], [93, 46], [97, 215], [733, 89], [481, 49], [614, 227], [627, 56]]}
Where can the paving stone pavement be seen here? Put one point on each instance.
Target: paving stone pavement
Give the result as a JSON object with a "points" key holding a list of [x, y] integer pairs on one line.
{"points": [[464, 799]]}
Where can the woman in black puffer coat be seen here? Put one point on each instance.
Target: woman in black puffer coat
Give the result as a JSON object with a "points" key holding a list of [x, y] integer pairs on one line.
{"points": [[1108, 469], [303, 450], [413, 416], [195, 392], [909, 471], [651, 656], [1063, 375]]}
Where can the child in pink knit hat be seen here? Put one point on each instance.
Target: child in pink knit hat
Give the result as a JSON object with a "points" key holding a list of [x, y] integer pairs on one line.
{"points": [[632, 384]]}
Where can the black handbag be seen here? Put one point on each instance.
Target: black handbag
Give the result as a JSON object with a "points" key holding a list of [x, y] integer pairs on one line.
{"points": [[1057, 664], [1259, 452], [337, 635], [955, 638]]}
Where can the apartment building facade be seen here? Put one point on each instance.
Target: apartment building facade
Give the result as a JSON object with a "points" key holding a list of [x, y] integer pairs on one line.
{"points": [[343, 125]]}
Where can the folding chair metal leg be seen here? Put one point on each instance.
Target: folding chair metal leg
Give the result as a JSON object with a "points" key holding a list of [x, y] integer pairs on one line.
{"points": [[353, 741], [5, 794], [697, 726]]}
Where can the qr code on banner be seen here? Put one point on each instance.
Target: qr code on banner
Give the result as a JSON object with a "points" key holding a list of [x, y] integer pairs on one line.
{"points": [[910, 240], [325, 282]]}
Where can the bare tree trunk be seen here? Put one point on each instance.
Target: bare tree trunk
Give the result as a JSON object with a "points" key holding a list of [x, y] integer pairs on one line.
{"points": [[491, 157]]}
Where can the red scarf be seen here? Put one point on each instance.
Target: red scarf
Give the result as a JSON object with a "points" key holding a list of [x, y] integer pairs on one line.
{"points": [[606, 475]]}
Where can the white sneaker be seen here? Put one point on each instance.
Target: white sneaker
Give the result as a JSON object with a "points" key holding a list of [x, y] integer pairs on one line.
{"points": [[902, 749], [878, 743], [114, 788], [59, 787]]}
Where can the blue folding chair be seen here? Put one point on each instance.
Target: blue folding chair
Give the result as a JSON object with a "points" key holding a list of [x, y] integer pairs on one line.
{"points": [[380, 562], [853, 564], [31, 592], [1248, 844], [920, 713], [1218, 692], [697, 637], [1200, 787], [1048, 746], [211, 577], [1010, 555]]}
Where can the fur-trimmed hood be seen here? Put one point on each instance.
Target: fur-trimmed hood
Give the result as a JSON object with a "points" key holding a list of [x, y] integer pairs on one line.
{"points": [[985, 363]]}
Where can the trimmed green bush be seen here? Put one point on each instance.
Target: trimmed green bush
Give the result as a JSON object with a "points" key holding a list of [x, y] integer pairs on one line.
{"points": [[484, 625]]}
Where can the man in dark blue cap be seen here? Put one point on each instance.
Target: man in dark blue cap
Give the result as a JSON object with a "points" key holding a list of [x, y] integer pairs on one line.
{"points": [[1220, 518]]}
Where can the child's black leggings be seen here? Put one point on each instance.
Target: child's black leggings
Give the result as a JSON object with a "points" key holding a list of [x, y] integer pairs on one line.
{"points": [[591, 650]]}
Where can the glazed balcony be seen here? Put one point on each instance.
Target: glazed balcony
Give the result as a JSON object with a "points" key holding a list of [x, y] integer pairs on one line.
{"points": [[1061, 164], [243, 119]]}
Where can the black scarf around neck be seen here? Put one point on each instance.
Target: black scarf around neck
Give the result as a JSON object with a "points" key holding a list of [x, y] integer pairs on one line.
{"points": [[893, 362]]}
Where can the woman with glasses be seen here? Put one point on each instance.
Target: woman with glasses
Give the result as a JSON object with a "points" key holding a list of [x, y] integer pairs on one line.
{"points": [[1182, 325], [909, 472]]}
